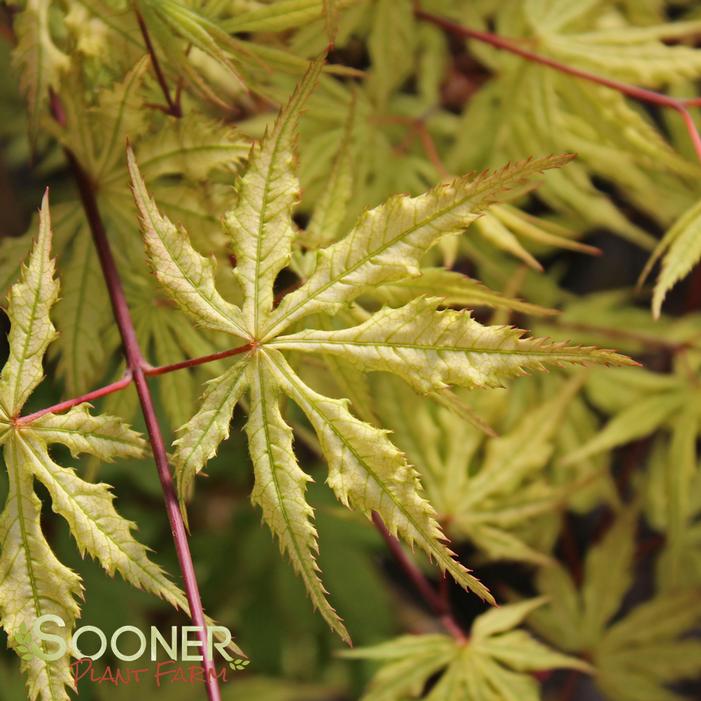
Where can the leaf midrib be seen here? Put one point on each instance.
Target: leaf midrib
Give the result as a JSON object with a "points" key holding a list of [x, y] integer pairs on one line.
{"points": [[310, 576], [290, 342]]}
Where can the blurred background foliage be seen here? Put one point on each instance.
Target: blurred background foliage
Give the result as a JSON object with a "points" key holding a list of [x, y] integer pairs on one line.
{"points": [[589, 494]]}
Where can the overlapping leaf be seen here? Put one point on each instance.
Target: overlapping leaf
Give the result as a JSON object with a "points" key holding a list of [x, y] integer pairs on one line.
{"points": [[498, 491], [41, 61]]}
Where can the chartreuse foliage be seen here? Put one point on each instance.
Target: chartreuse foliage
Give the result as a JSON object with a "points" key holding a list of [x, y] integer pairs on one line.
{"points": [[524, 107], [493, 664], [33, 582], [492, 490], [636, 656], [356, 312], [433, 350]]}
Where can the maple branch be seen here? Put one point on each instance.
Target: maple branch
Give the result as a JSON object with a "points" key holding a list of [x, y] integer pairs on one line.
{"points": [[680, 105], [137, 365], [173, 105], [438, 604]]}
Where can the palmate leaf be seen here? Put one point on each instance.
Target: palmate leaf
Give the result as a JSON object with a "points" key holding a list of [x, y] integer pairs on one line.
{"points": [[178, 156], [488, 489], [647, 649], [118, 111], [539, 108], [637, 655], [511, 487], [491, 666], [88, 509], [633, 54], [432, 350], [32, 581], [175, 25], [608, 576]]}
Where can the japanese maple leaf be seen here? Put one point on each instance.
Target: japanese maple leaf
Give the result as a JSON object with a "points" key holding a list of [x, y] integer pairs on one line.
{"points": [[432, 350]]}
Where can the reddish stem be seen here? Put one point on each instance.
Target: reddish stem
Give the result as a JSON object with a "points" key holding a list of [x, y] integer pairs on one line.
{"points": [[137, 365], [436, 603], [173, 105], [192, 362], [690, 127], [119, 385], [70, 403], [680, 105]]}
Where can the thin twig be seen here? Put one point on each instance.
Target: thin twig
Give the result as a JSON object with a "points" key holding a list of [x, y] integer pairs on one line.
{"points": [[125, 381], [429, 147], [70, 403], [438, 605], [680, 105], [192, 362], [173, 105], [417, 127]]}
